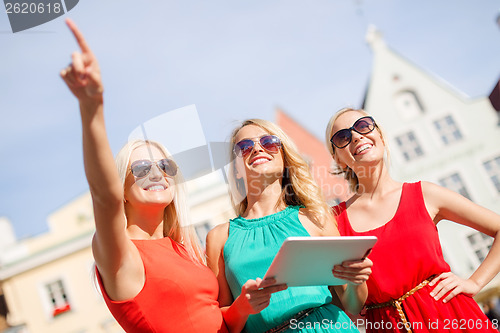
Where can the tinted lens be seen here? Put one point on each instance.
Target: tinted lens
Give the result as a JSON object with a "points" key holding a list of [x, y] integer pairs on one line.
{"points": [[168, 166], [270, 143], [364, 125], [244, 147], [141, 168], [342, 138]]}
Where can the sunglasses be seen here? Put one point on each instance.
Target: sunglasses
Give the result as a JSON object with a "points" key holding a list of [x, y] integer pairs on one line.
{"points": [[343, 137], [270, 143], [142, 168]]}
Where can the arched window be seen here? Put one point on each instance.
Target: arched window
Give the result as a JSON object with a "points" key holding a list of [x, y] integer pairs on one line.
{"points": [[408, 104]]}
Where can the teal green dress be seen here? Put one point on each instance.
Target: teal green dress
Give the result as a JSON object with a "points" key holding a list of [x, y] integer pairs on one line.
{"points": [[248, 252]]}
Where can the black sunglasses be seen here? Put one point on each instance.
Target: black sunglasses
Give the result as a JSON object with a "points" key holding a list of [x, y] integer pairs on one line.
{"points": [[343, 137], [141, 168], [270, 143]]}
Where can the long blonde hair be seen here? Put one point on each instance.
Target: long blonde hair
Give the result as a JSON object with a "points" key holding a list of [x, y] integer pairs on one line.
{"points": [[176, 223], [348, 173], [298, 186]]}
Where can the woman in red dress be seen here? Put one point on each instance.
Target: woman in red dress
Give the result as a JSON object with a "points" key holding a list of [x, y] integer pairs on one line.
{"points": [[149, 265], [411, 288]]}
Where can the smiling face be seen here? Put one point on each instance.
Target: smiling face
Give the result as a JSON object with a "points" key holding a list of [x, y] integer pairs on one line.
{"points": [[364, 149], [155, 188], [259, 162]]}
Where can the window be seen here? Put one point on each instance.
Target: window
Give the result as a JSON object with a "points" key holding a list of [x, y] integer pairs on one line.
{"points": [[493, 169], [480, 244], [58, 297], [408, 104], [448, 130], [454, 182], [202, 230], [409, 146]]}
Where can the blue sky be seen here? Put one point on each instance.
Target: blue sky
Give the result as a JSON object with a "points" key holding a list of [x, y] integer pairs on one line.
{"points": [[232, 59]]}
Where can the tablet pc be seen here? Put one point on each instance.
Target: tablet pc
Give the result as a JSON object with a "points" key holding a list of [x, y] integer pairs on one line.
{"points": [[308, 261]]}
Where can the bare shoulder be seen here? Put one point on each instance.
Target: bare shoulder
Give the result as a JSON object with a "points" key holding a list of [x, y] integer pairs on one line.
{"points": [[445, 204], [219, 231], [328, 226], [305, 213], [437, 196], [430, 189], [306, 219], [216, 238], [433, 195], [454, 207]]}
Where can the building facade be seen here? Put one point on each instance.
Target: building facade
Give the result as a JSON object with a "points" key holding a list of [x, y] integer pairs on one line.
{"points": [[47, 279]]}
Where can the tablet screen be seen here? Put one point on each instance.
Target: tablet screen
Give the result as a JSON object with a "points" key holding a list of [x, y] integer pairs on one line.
{"points": [[308, 261]]}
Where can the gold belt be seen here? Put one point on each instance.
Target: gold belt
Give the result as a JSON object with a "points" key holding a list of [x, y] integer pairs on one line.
{"points": [[397, 303]]}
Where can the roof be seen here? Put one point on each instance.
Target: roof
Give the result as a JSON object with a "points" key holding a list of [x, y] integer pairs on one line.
{"points": [[495, 97]]}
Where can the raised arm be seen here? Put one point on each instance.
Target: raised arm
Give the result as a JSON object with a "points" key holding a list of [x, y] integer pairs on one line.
{"points": [[443, 204], [111, 244], [255, 294]]}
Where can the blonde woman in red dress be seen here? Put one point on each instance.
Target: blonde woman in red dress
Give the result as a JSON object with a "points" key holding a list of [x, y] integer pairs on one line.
{"points": [[411, 288]]}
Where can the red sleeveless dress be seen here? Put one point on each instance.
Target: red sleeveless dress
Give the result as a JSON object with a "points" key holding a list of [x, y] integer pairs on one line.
{"points": [[408, 252], [178, 295]]}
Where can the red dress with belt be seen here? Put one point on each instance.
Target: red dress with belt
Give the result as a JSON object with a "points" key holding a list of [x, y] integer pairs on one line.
{"points": [[408, 252], [178, 295]]}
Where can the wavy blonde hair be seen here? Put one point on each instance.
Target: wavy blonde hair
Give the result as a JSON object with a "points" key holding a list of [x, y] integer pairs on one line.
{"points": [[176, 222], [348, 173], [298, 186]]}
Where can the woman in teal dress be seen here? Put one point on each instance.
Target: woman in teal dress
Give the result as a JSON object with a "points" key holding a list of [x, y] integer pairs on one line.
{"points": [[275, 198]]}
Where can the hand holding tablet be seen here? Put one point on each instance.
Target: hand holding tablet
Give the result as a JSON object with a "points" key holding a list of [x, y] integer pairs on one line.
{"points": [[308, 261]]}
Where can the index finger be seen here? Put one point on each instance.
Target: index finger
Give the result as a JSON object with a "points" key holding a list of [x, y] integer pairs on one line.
{"points": [[358, 263], [267, 282], [276, 288], [78, 35]]}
